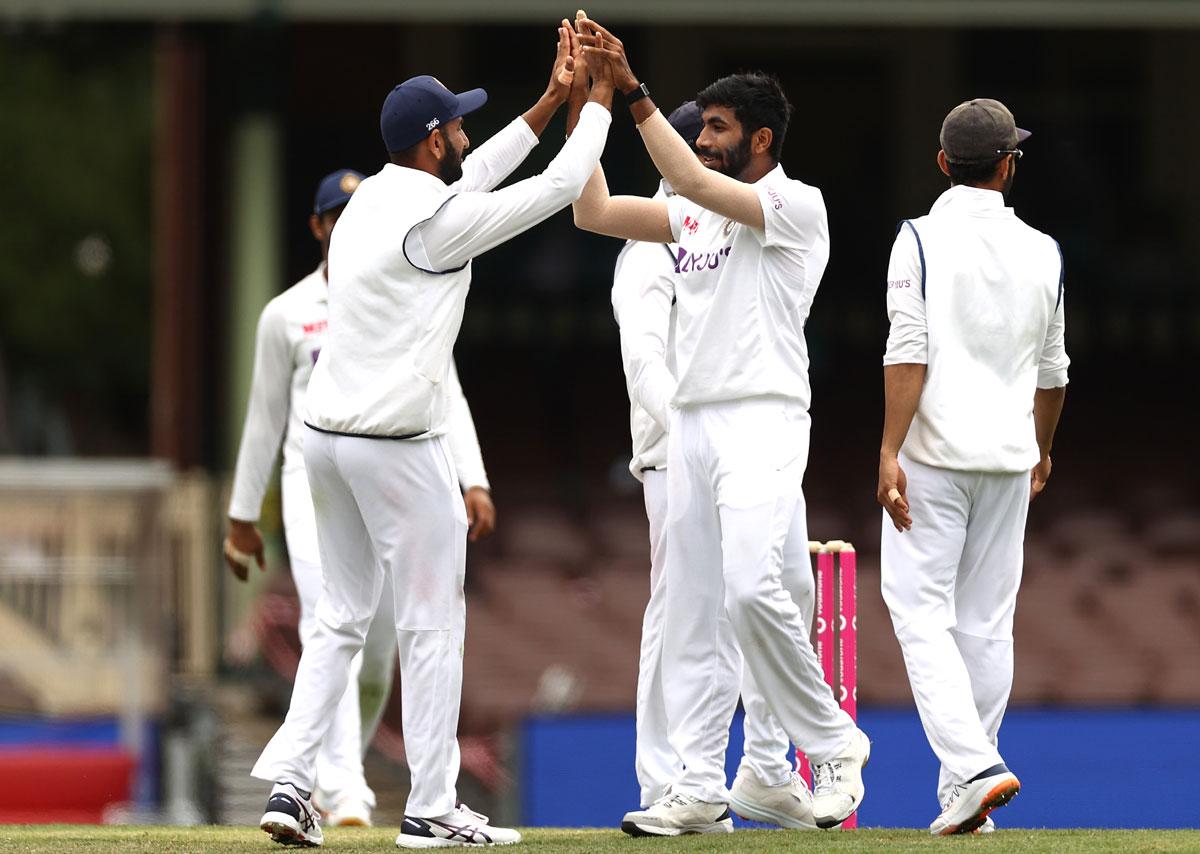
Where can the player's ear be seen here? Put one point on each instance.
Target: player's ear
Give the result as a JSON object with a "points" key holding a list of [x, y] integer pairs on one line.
{"points": [[761, 142], [941, 161], [437, 143], [314, 225]]}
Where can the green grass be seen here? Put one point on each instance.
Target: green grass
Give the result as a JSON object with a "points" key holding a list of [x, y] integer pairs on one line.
{"points": [[184, 840]]}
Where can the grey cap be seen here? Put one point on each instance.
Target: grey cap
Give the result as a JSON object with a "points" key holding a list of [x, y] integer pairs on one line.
{"points": [[976, 131]]}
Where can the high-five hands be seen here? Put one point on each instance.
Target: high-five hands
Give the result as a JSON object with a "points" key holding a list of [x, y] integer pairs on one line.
{"points": [[600, 44], [562, 75]]}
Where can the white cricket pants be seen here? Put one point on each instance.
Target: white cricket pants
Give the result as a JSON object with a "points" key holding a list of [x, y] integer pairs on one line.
{"points": [[765, 743], [950, 584], [734, 494], [384, 509]]}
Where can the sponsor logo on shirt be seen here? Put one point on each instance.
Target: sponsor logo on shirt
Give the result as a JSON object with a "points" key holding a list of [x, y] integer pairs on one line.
{"points": [[316, 326], [776, 199], [690, 225], [695, 262], [899, 283]]}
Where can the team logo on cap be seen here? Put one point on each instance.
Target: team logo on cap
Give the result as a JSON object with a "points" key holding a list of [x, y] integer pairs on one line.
{"points": [[349, 183], [432, 123]]}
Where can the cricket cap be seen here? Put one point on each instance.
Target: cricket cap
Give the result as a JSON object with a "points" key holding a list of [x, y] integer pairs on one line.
{"points": [[413, 109], [976, 131], [687, 121], [335, 189]]}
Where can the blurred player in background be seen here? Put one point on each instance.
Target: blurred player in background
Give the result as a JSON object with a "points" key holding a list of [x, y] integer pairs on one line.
{"points": [[767, 789], [975, 376], [291, 331], [753, 244], [382, 477]]}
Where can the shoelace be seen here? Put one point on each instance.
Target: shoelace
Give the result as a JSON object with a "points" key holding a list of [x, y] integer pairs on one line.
{"points": [[478, 816], [825, 775]]}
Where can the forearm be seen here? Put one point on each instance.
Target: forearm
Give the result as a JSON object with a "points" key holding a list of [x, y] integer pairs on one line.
{"points": [[902, 385], [677, 163], [486, 167], [1047, 409], [627, 217], [255, 462]]}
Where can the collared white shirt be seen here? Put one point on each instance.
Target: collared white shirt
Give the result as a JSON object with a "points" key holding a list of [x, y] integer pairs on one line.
{"points": [[744, 294], [643, 297], [976, 295], [400, 269], [292, 330]]}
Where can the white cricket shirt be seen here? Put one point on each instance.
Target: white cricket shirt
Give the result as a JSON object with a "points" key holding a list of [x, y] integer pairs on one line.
{"points": [[643, 297], [291, 333], [977, 296], [400, 269], [743, 294]]}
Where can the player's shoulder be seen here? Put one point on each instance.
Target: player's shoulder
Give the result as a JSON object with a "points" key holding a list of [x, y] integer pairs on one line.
{"points": [[299, 296], [782, 191]]}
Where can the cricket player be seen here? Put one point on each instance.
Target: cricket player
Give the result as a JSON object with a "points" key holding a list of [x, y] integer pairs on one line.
{"points": [[975, 374], [752, 245], [291, 331], [382, 477], [643, 298]]}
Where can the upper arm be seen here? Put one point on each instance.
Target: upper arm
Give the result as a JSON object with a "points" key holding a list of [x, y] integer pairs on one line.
{"points": [[636, 218], [1053, 363], [793, 214], [908, 336]]}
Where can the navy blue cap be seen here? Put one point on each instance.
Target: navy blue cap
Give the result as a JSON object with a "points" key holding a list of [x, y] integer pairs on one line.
{"points": [[418, 105], [687, 121], [335, 189]]}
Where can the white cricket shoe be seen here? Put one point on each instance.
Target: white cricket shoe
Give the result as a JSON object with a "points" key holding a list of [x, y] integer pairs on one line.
{"points": [[462, 827], [291, 818], [676, 815], [838, 785], [967, 808], [789, 805], [349, 812], [988, 826]]}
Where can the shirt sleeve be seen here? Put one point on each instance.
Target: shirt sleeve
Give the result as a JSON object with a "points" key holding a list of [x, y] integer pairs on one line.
{"points": [[794, 214], [471, 223], [908, 339], [492, 162], [266, 415], [1052, 367], [464, 441], [677, 213], [643, 291]]}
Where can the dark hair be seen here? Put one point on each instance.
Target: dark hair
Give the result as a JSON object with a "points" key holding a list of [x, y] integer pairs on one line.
{"points": [[757, 101], [972, 174]]}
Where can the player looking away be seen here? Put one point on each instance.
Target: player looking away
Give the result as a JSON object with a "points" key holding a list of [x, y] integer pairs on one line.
{"points": [[975, 376], [382, 477], [753, 244], [291, 332]]}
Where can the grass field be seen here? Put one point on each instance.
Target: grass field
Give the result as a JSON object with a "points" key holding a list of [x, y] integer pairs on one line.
{"points": [[177, 840]]}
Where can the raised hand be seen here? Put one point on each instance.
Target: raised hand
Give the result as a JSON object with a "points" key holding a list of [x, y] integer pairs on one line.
{"points": [[598, 41], [562, 75]]}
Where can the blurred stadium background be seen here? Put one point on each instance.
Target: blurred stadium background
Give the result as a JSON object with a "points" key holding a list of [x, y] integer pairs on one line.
{"points": [[159, 160]]}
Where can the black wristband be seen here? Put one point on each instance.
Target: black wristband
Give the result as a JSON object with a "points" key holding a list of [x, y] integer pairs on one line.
{"points": [[642, 91]]}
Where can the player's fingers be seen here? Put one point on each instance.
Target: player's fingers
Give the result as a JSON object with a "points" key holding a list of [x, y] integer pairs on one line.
{"points": [[608, 37], [238, 570]]}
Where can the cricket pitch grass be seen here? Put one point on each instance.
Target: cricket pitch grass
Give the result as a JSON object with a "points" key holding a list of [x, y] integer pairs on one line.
{"points": [[219, 840]]}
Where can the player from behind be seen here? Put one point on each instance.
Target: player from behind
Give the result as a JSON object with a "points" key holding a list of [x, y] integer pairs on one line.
{"points": [[975, 376], [752, 245], [382, 477], [291, 332], [766, 788]]}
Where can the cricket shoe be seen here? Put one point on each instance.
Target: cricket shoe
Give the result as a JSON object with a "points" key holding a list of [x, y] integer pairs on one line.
{"points": [[789, 805], [988, 826], [291, 818], [967, 808], [349, 812], [676, 815], [458, 828], [838, 785]]}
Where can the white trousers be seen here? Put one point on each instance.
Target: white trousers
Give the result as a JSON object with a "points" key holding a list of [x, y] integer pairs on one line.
{"points": [[384, 509], [735, 506], [950, 584], [340, 758], [765, 743]]}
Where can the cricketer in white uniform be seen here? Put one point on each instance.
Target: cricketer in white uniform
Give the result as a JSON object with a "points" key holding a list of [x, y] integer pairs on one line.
{"points": [[751, 253], [291, 333], [382, 477], [975, 376], [643, 298]]}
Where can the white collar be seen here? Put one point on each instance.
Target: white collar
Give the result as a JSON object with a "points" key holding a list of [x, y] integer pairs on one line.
{"points": [[975, 199]]}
